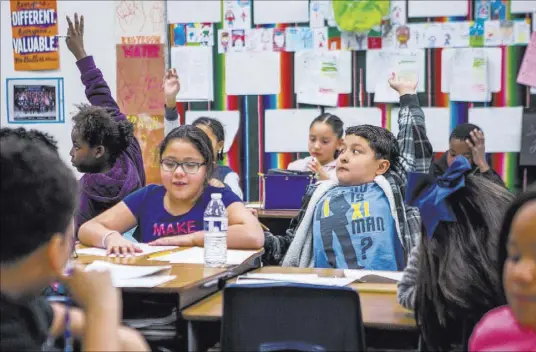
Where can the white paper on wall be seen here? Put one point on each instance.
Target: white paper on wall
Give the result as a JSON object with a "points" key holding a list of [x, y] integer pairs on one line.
{"points": [[136, 19], [195, 69], [437, 8], [344, 66], [229, 119], [397, 12], [191, 11], [293, 138], [380, 61], [494, 62], [358, 116], [250, 73], [437, 126], [469, 80], [501, 126], [522, 6], [277, 11]]}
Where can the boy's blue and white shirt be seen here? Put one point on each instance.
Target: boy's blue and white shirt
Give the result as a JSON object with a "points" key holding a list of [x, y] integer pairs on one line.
{"points": [[353, 228]]}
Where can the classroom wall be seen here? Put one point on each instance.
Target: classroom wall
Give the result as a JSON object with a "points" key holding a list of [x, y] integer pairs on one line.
{"points": [[99, 42]]}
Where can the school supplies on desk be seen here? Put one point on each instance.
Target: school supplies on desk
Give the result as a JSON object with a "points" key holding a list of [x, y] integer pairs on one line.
{"points": [[311, 279], [146, 249], [133, 275], [196, 255], [284, 189]]}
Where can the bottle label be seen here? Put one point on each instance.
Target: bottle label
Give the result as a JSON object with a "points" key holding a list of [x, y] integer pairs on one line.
{"points": [[216, 224]]}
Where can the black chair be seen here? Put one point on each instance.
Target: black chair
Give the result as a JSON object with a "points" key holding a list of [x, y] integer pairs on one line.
{"points": [[291, 317]]}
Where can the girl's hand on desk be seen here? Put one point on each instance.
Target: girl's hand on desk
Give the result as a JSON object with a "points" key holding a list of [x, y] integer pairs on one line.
{"points": [[117, 245]]}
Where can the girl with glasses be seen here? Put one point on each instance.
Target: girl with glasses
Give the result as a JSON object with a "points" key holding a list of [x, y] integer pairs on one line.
{"points": [[172, 213]]}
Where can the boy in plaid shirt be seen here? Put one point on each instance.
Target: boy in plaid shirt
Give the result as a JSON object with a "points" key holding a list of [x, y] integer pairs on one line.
{"points": [[362, 222]]}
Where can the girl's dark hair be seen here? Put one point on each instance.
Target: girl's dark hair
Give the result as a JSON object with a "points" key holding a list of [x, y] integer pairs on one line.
{"points": [[98, 127], [217, 129], [458, 278], [519, 202], [198, 139], [334, 121]]}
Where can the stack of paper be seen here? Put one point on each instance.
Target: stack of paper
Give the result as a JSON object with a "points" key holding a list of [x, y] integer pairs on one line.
{"points": [[374, 276], [133, 275], [196, 255], [311, 279], [143, 246]]}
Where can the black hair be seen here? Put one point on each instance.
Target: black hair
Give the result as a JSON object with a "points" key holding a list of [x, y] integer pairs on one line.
{"points": [[216, 127], [97, 127], [515, 207], [463, 131], [336, 125], [30, 135], [39, 195], [458, 278], [380, 140], [198, 139]]}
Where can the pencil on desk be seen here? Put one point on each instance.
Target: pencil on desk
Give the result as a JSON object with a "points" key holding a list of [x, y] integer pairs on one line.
{"points": [[159, 254]]}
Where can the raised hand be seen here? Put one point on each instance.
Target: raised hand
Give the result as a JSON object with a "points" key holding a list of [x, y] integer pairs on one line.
{"points": [[75, 37], [406, 84], [171, 86], [477, 143]]}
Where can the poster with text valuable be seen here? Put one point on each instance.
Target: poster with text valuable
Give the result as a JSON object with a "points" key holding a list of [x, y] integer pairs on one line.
{"points": [[34, 28]]}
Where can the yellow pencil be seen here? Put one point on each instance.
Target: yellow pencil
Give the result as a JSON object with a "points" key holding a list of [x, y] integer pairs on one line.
{"points": [[159, 254]]}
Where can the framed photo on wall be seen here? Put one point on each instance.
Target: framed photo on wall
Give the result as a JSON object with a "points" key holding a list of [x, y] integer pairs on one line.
{"points": [[35, 100]]}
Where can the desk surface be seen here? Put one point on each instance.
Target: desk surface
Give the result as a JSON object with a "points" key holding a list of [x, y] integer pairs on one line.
{"points": [[379, 305]]}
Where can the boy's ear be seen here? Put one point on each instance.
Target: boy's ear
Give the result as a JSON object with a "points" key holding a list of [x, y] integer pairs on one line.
{"points": [[56, 253], [383, 167]]}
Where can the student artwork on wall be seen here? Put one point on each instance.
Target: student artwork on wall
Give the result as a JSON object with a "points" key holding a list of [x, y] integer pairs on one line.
{"points": [[140, 92], [35, 35], [237, 14], [35, 100], [140, 22], [194, 66]]}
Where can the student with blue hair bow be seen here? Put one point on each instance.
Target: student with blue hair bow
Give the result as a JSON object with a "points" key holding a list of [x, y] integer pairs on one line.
{"points": [[452, 278]]}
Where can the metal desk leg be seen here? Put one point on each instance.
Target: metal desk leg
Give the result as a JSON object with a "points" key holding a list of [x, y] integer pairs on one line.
{"points": [[193, 336]]}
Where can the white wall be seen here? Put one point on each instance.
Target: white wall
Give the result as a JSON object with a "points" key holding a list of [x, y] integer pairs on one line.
{"points": [[99, 42]]}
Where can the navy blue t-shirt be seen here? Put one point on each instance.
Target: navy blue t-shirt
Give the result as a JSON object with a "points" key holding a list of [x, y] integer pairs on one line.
{"points": [[154, 222]]}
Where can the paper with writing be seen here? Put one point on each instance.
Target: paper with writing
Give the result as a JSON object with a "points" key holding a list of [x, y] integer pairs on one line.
{"points": [[319, 85], [406, 68], [140, 22], [100, 252], [194, 67], [139, 78], [527, 71], [196, 255], [470, 76]]}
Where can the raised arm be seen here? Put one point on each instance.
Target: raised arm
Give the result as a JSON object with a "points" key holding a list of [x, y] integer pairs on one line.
{"points": [[414, 147], [97, 90], [172, 86]]}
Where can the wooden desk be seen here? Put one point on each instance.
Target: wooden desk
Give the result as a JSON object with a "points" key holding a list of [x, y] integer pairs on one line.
{"points": [[277, 213], [192, 281], [379, 305]]}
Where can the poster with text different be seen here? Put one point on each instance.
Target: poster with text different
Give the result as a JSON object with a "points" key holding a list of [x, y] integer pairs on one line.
{"points": [[34, 29], [140, 22], [139, 78]]}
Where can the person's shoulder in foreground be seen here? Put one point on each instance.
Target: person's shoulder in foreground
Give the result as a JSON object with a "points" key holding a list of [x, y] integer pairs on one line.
{"points": [[500, 331], [36, 239]]}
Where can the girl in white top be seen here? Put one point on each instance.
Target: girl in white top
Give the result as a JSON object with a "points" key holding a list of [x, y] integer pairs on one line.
{"points": [[325, 139]]}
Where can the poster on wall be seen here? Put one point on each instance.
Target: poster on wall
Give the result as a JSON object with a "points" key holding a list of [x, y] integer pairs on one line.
{"points": [[140, 93], [140, 22], [34, 29], [35, 100]]}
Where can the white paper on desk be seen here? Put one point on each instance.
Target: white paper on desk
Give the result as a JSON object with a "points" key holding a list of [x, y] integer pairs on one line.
{"points": [[126, 272], [252, 73], [469, 81], [196, 255], [190, 11], [194, 67], [319, 85], [151, 281], [358, 274], [100, 252], [311, 279]]}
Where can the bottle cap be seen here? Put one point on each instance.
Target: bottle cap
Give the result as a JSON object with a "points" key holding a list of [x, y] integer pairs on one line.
{"points": [[215, 196]]}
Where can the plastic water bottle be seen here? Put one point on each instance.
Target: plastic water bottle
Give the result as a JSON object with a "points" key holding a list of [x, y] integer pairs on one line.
{"points": [[215, 226]]}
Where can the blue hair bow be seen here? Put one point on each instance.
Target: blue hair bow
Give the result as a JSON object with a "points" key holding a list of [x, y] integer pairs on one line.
{"points": [[431, 200]]}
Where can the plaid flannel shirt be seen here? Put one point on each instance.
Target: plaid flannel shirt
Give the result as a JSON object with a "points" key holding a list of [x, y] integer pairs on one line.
{"points": [[415, 155]]}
